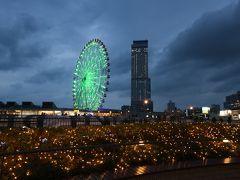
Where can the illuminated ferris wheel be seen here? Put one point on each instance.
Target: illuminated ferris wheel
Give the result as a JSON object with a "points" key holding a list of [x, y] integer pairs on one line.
{"points": [[91, 76]]}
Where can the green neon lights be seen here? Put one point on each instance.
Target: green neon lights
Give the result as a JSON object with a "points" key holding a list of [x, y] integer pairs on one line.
{"points": [[90, 76]]}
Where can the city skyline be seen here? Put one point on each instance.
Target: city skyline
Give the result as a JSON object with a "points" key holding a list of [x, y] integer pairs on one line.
{"points": [[191, 56]]}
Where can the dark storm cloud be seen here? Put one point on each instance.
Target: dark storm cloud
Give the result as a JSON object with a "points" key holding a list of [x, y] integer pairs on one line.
{"points": [[121, 64], [202, 59], [120, 74], [225, 74], [230, 86], [38, 52], [55, 75], [121, 84], [214, 36], [15, 49]]}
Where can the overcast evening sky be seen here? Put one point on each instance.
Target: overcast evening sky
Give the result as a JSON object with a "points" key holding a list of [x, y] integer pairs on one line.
{"points": [[194, 48]]}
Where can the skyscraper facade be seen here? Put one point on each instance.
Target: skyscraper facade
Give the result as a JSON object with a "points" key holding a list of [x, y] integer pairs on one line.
{"points": [[232, 101], [140, 82]]}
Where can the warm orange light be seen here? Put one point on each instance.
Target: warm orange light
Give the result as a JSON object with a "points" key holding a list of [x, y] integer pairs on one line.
{"points": [[145, 101]]}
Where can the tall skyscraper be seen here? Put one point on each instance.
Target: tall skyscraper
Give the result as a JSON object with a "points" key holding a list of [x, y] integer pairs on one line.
{"points": [[140, 82]]}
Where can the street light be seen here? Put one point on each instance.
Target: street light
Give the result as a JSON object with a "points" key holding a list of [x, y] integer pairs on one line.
{"points": [[146, 101]]}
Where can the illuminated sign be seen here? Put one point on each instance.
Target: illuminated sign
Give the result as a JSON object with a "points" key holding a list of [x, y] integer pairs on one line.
{"points": [[205, 110], [225, 112]]}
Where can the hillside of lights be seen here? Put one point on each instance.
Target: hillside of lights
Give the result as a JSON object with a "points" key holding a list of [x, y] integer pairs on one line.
{"points": [[173, 142]]}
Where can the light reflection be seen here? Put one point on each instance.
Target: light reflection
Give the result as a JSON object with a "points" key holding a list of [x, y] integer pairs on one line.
{"points": [[141, 170], [227, 160]]}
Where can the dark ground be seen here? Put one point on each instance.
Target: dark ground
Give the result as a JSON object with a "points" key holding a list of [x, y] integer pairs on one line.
{"points": [[220, 172]]}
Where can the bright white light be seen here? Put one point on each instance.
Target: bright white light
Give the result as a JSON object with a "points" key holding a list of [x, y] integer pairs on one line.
{"points": [[141, 143], [2, 143], [145, 101], [44, 140], [226, 141]]}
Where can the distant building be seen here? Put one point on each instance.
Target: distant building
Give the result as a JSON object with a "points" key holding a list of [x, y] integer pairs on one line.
{"points": [[140, 82], [28, 108], [173, 113], [232, 101], [126, 110], [29, 105], [2, 105], [193, 111], [199, 112], [215, 109], [171, 107], [11, 104], [49, 105]]}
